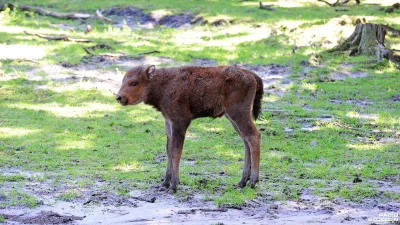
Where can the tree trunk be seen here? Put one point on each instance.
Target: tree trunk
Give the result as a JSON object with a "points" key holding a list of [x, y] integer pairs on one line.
{"points": [[371, 36], [368, 39], [363, 40]]}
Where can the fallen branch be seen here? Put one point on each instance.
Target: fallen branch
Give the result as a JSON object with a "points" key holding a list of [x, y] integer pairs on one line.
{"points": [[338, 2], [150, 200], [332, 5], [193, 211], [266, 7], [87, 51], [146, 53], [58, 38], [28, 60], [118, 55], [43, 12], [214, 210], [111, 55], [394, 32]]}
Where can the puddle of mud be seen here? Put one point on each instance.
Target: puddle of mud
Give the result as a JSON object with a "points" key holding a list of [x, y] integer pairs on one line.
{"points": [[43, 217], [342, 76], [346, 73], [275, 77], [158, 207], [92, 73], [203, 62], [168, 210], [395, 98], [136, 18], [357, 102], [310, 124]]}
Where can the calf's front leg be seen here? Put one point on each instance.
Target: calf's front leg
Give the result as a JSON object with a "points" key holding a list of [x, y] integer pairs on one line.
{"points": [[176, 142]]}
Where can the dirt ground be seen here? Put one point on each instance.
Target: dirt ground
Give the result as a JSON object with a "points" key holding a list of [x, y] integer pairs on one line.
{"points": [[159, 207], [168, 210]]}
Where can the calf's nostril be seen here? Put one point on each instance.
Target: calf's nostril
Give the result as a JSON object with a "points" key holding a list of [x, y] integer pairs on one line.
{"points": [[118, 98]]}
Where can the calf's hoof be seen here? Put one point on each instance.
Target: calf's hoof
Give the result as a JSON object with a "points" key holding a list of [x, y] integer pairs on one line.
{"points": [[165, 184], [162, 188], [173, 189], [253, 183], [241, 184]]}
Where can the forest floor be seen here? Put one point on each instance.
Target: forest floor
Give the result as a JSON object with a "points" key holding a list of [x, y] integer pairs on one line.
{"points": [[69, 154]]}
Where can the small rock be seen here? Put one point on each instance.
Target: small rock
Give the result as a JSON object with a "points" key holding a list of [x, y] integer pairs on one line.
{"points": [[389, 141], [88, 29], [396, 98], [288, 130], [326, 116], [191, 211], [348, 218], [314, 143], [286, 158], [357, 180], [274, 206], [2, 197]]}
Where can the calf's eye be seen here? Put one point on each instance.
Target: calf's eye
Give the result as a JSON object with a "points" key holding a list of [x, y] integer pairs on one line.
{"points": [[134, 83]]}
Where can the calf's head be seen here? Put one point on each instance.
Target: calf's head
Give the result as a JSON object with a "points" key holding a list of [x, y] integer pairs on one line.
{"points": [[134, 85]]}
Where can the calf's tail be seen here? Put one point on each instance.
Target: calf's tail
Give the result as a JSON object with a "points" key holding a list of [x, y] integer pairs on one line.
{"points": [[258, 97]]}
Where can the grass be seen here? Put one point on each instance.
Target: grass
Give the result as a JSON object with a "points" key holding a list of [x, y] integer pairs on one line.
{"points": [[16, 197], [83, 136], [70, 195], [13, 178]]}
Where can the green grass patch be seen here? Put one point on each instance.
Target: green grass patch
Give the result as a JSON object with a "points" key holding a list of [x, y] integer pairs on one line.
{"points": [[13, 178], [2, 219], [85, 136], [235, 197], [16, 197], [70, 195]]}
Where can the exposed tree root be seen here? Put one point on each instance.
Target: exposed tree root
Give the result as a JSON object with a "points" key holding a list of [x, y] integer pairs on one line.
{"points": [[58, 38], [392, 8], [369, 39], [43, 12]]}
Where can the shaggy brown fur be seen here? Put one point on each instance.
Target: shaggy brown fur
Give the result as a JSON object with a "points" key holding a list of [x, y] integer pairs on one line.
{"points": [[185, 93]]}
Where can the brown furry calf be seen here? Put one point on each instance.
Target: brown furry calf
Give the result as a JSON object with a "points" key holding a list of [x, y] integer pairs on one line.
{"points": [[183, 94]]}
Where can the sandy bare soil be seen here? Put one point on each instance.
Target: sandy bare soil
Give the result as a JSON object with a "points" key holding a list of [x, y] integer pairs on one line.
{"points": [[166, 209]]}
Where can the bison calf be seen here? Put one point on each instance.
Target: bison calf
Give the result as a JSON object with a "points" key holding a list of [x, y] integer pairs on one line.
{"points": [[183, 94]]}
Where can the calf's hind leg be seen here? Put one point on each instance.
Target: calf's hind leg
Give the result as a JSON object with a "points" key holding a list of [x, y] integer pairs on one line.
{"points": [[168, 131], [243, 123], [247, 159]]}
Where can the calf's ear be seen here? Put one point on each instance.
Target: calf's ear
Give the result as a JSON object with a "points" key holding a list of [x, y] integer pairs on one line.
{"points": [[150, 71]]}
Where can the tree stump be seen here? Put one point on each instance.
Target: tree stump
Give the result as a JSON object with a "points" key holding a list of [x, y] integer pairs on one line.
{"points": [[368, 39]]}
